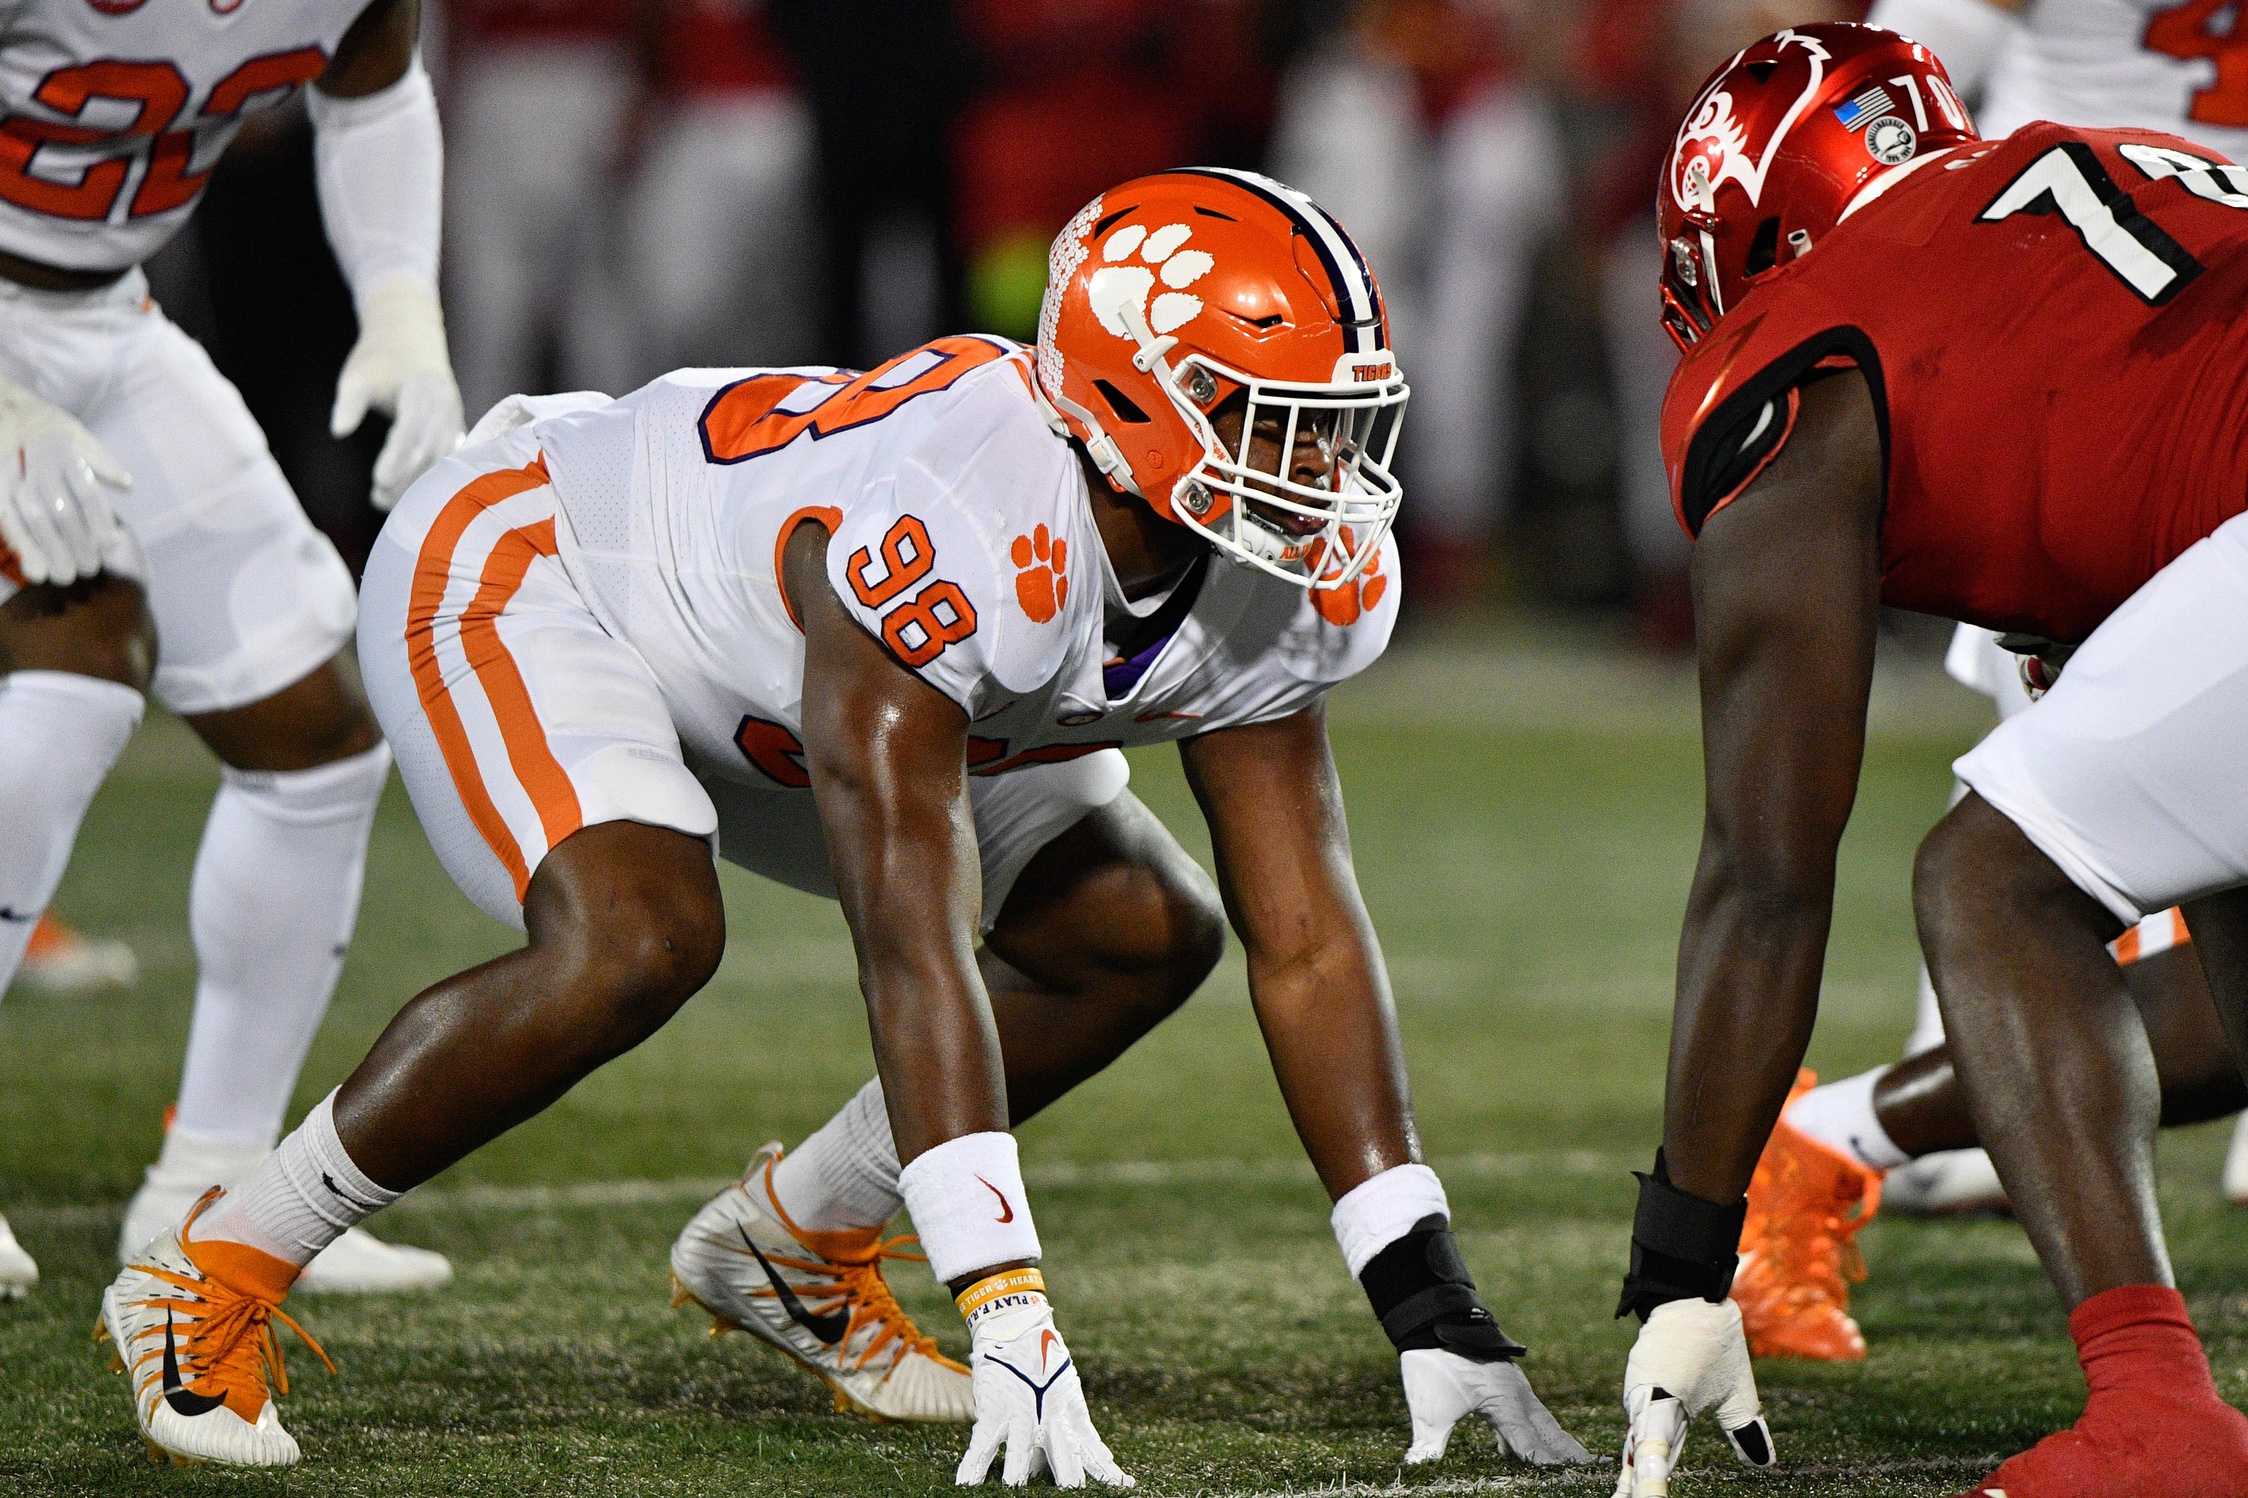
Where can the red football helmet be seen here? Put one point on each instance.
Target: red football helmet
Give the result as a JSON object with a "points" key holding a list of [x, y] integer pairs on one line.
{"points": [[1167, 297], [1780, 143]]}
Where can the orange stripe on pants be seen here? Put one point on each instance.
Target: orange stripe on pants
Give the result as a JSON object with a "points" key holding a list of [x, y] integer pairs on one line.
{"points": [[534, 763], [432, 575]]}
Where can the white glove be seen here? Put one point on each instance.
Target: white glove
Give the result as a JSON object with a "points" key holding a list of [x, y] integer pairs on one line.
{"points": [[400, 366], [54, 514], [1691, 1357], [1442, 1388], [1028, 1399]]}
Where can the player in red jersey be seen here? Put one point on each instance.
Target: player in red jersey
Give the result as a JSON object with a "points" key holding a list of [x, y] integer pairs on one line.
{"points": [[2000, 382]]}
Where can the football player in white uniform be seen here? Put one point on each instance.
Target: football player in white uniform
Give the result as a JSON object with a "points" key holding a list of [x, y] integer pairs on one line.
{"points": [[148, 542], [883, 636]]}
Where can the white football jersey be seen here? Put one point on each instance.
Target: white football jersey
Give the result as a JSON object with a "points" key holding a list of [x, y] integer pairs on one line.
{"points": [[116, 111], [2141, 64], [962, 536]]}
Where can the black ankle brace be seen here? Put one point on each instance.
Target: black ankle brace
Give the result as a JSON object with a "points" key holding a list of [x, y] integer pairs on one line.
{"points": [[1682, 1247], [1421, 1290]]}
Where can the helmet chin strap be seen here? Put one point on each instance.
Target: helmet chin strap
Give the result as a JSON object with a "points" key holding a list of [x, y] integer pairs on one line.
{"points": [[1100, 446]]}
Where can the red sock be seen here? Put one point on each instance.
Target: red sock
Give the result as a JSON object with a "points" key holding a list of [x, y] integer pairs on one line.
{"points": [[2153, 1423]]}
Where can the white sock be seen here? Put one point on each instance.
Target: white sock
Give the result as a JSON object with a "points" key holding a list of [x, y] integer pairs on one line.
{"points": [[304, 1197], [275, 897], [59, 735], [1927, 1019], [846, 1175], [1840, 1116]]}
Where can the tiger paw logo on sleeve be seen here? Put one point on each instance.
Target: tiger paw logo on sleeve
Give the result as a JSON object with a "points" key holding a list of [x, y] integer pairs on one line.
{"points": [[1042, 583]]}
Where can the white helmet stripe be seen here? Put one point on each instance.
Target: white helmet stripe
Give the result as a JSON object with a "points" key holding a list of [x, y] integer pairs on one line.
{"points": [[1346, 268]]}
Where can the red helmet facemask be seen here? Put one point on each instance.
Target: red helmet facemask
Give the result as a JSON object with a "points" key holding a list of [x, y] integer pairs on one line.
{"points": [[1780, 142]]}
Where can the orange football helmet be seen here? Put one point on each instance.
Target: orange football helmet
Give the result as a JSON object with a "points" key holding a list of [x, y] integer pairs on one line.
{"points": [[1171, 294]]}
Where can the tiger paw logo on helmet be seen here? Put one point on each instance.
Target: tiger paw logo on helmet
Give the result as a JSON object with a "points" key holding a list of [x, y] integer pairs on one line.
{"points": [[1042, 583], [1346, 605], [1180, 302], [1118, 286]]}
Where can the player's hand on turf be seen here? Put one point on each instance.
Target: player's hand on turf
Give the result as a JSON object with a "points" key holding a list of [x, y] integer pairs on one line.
{"points": [[1029, 1400], [400, 367], [1691, 1358], [55, 512], [1442, 1388]]}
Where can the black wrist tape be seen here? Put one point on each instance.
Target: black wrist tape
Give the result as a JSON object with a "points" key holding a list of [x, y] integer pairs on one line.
{"points": [[1421, 1290], [1682, 1247]]}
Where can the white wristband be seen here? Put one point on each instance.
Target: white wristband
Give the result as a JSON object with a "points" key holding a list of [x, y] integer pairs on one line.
{"points": [[968, 1205], [1376, 1213], [1965, 35]]}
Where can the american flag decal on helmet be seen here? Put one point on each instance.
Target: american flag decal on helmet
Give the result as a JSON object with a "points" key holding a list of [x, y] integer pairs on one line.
{"points": [[1866, 108]]}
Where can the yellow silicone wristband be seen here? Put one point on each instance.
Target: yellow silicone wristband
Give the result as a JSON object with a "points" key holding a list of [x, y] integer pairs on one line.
{"points": [[988, 1289]]}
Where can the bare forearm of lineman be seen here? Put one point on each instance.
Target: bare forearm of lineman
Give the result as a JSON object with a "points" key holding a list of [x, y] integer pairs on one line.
{"points": [[1316, 977], [887, 756]]}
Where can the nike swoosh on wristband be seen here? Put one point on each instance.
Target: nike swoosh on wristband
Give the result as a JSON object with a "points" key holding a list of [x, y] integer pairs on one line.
{"points": [[1006, 1208], [828, 1326], [175, 1392]]}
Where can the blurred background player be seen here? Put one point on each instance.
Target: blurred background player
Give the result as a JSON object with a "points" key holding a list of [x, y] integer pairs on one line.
{"points": [[540, 94], [718, 227], [1413, 120], [148, 542]]}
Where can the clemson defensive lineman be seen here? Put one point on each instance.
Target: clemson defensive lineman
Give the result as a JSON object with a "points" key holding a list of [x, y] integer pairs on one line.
{"points": [[883, 636], [1869, 412], [147, 538]]}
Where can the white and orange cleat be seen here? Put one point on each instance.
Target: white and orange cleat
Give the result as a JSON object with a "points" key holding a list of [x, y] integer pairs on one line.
{"points": [[62, 961], [191, 1325], [819, 1297], [1799, 1252]]}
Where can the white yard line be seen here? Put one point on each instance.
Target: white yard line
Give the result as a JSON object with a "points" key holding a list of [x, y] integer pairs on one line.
{"points": [[1050, 1174]]}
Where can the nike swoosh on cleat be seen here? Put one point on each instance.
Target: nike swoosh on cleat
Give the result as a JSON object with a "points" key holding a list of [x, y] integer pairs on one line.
{"points": [[1006, 1208], [10, 914], [175, 1392], [828, 1326]]}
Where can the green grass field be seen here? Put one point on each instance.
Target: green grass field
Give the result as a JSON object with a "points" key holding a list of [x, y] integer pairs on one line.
{"points": [[1525, 818]]}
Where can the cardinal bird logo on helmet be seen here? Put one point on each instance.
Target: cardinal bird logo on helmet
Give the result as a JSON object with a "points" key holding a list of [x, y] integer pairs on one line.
{"points": [[1713, 144], [1781, 144]]}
